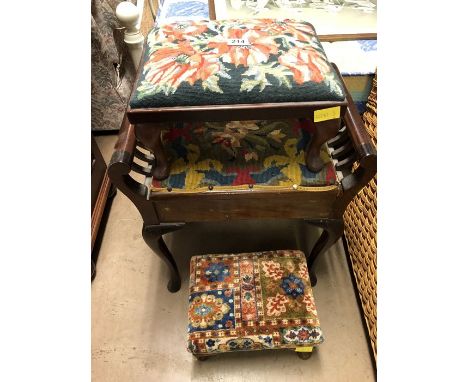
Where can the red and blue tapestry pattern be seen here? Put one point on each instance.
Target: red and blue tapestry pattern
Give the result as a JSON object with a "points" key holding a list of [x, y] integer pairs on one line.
{"points": [[251, 301], [235, 153]]}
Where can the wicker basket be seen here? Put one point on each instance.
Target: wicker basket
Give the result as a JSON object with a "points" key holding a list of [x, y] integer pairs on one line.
{"points": [[361, 232]]}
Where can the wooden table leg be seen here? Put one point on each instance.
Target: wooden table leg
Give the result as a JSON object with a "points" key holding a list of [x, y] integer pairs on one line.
{"points": [[150, 137], [332, 230], [152, 234], [322, 132]]}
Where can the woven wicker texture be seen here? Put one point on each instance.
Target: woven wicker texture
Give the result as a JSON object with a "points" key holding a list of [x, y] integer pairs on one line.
{"points": [[361, 232]]}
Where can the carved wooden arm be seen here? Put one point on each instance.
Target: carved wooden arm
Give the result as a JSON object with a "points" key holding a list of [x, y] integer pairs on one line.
{"points": [[126, 142], [122, 163], [355, 152]]}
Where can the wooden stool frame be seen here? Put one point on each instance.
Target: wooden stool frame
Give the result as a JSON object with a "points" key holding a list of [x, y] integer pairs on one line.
{"points": [[165, 212]]}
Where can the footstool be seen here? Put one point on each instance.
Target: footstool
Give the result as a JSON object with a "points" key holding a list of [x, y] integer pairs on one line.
{"points": [[251, 301], [225, 70]]}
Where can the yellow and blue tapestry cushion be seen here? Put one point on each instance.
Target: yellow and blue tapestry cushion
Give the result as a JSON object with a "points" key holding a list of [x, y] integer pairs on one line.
{"points": [[241, 154], [224, 62], [251, 301]]}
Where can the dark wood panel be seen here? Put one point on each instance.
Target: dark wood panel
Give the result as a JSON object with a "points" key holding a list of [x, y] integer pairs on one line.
{"points": [[100, 187], [99, 207], [98, 170], [244, 205], [236, 112], [212, 9]]}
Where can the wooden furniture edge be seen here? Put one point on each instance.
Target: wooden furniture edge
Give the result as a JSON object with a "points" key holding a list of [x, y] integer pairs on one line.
{"points": [[212, 9], [99, 207], [365, 150], [219, 112], [360, 137], [240, 193], [346, 37], [119, 170], [126, 140]]}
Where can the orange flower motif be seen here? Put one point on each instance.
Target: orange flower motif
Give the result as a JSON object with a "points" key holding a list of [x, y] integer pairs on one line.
{"points": [[276, 305], [234, 132], [306, 64], [183, 30], [186, 52], [174, 65], [299, 30], [272, 269], [246, 267], [303, 271], [259, 50], [209, 65], [310, 303]]}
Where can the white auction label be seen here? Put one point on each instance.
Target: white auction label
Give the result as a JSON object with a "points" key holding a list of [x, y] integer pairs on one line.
{"points": [[238, 42]]}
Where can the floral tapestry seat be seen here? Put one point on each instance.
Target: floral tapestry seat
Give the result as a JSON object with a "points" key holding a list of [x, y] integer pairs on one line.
{"points": [[241, 154], [251, 301], [225, 62]]}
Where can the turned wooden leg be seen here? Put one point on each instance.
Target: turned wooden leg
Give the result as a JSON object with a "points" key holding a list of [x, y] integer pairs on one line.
{"points": [[332, 231], [323, 131], [152, 234], [150, 136]]}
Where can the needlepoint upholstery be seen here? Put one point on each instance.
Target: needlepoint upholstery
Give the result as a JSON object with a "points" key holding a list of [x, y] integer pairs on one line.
{"points": [[236, 153], [251, 301], [223, 62]]}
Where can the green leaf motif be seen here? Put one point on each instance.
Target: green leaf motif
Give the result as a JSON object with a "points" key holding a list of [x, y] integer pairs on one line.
{"points": [[256, 140], [212, 84], [147, 88], [167, 89], [224, 74], [248, 85], [275, 145], [259, 72], [269, 127]]}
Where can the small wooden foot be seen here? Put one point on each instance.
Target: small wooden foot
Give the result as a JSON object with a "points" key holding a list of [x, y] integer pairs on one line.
{"points": [[201, 357], [303, 355]]}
